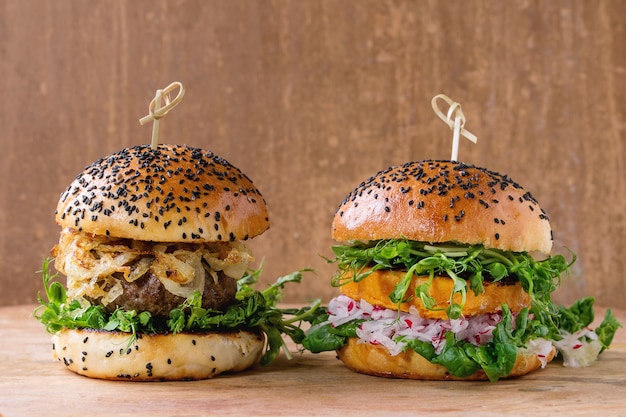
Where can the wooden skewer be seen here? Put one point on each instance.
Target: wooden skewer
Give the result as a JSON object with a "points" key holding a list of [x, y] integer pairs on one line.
{"points": [[156, 111], [456, 125]]}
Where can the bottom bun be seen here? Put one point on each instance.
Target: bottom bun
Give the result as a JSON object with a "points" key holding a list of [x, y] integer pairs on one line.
{"points": [[156, 357], [375, 360]]}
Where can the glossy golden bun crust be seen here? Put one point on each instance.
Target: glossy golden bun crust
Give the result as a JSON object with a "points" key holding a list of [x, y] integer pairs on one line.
{"points": [[172, 194], [376, 360], [444, 201], [156, 357]]}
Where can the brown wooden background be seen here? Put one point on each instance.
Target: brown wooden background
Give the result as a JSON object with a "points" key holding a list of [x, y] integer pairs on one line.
{"points": [[309, 98]]}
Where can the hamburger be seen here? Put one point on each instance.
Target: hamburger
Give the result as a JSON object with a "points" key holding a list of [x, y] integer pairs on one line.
{"points": [[158, 280], [445, 273]]}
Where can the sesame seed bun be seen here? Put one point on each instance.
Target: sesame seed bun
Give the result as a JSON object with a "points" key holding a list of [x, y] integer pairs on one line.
{"points": [[444, 201], [156, 357], [171, 194], [143, 229], [438, 202]]}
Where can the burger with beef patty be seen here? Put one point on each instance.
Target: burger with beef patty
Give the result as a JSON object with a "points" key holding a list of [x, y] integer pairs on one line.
{"points": [[439, 280], [158, 286]]}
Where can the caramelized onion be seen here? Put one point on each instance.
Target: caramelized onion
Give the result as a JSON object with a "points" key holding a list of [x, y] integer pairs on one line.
{"points": [[94, 264]]}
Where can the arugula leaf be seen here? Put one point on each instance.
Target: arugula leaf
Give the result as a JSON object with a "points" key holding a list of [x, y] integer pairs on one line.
{"points": [[425, 349], [504, 347], [580, 315], [455, 358], [607, 329], [468, 266], [327, 338], [251, 309], [460, 357]]}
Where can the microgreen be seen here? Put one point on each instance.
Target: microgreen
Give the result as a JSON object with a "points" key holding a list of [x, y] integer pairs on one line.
{"points": [[467, 265], [252, 309]]}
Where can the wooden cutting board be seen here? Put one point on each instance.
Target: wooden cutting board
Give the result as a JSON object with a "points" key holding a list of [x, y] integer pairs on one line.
{"points": [[31, 384]]}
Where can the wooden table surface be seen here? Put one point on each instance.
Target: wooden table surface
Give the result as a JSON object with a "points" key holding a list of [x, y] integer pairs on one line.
{"points": [[31, 384]]}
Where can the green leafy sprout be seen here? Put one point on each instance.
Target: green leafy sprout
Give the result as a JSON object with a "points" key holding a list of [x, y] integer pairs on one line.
{"points": [[251, 310], [469, 266]]}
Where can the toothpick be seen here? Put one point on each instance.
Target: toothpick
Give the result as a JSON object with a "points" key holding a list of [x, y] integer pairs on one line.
{"points": [[456, 125], [156, 111]]}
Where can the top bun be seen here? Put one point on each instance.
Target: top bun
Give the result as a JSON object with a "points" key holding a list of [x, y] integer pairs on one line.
{"points": [[444, 201], [170, 194]]}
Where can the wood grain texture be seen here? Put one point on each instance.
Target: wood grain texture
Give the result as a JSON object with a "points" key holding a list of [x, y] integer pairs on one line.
{"points": [[309, 99], [32, 384]]}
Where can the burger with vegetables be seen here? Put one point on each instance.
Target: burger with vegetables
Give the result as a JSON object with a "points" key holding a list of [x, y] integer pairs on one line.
{"points": [[158, 280], [445, 273]]}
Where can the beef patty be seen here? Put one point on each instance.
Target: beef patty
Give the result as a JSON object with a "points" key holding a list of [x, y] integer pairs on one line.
{"points": [[148, 294]]}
